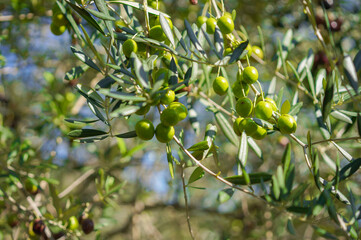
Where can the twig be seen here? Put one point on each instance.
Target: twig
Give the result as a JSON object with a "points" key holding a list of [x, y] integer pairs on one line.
{"points": [[76, 183], [336, 140], [186, 203], [216, 105], [207, 170]]}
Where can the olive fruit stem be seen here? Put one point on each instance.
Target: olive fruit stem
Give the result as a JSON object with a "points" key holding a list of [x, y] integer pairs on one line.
{"points": [[260, 87]]}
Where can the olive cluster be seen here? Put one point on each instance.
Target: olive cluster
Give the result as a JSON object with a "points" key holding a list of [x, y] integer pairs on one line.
{"points": [[262, 108], [37, 227], [169, 117], [173, 112]]}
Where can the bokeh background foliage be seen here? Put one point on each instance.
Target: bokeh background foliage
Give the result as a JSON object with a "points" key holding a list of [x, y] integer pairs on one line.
{"points": [[124, 184]]}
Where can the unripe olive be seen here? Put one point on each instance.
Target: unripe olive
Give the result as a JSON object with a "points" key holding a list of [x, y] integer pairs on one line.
{"points": [[240, 89], [220, 85], [73, 223], [225, 24], [168, 97], [250, 75], [287, 124], [201, 20], [164, 134], [263, 110], [157, 33], [31, 186], [211, 25], [260, 133], [144, 129], [244, 107], [180, 108], [129, 46], [236, 126], [248, 125], [169, 117]]}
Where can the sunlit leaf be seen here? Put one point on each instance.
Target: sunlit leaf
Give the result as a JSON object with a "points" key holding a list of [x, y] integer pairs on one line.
{"points": [[225, 195], [197, 174], [350, 72]]}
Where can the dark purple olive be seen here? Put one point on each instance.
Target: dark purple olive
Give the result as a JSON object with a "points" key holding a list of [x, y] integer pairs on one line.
{"points": [[335, 25], [87, 225], [38, 226]]}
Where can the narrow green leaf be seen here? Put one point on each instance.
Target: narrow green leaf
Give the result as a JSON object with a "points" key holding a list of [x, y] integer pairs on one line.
{"points": [[272, 88], [239, 52], [298, 191], [201, 146], [294, 70], [340, 116], [100, 15], [243, 150], [254, 178], [218, 42], [324, 233], [122, 95], [91, 45], [87, 17], [194, 39], [130, 134], [256, 149], [84, 58], [82, 133], [96, 111], [275, 188], [348, 170], [102, 7], [226, 128], [330, 206], [173, 73], [286, 106], [197, 174], [286, 159], [139, 7], [180, 39], [279, 98], [323, 128], [76, 72], [320, 77], [298, 209], [350, 72], [290, 227], [328, 98], [225, 195], [170, 160], [166, 28], [141, 73], [343, 152], [357, 61], [81, 121], [124, 111], [295, 109], [311, 82]]}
